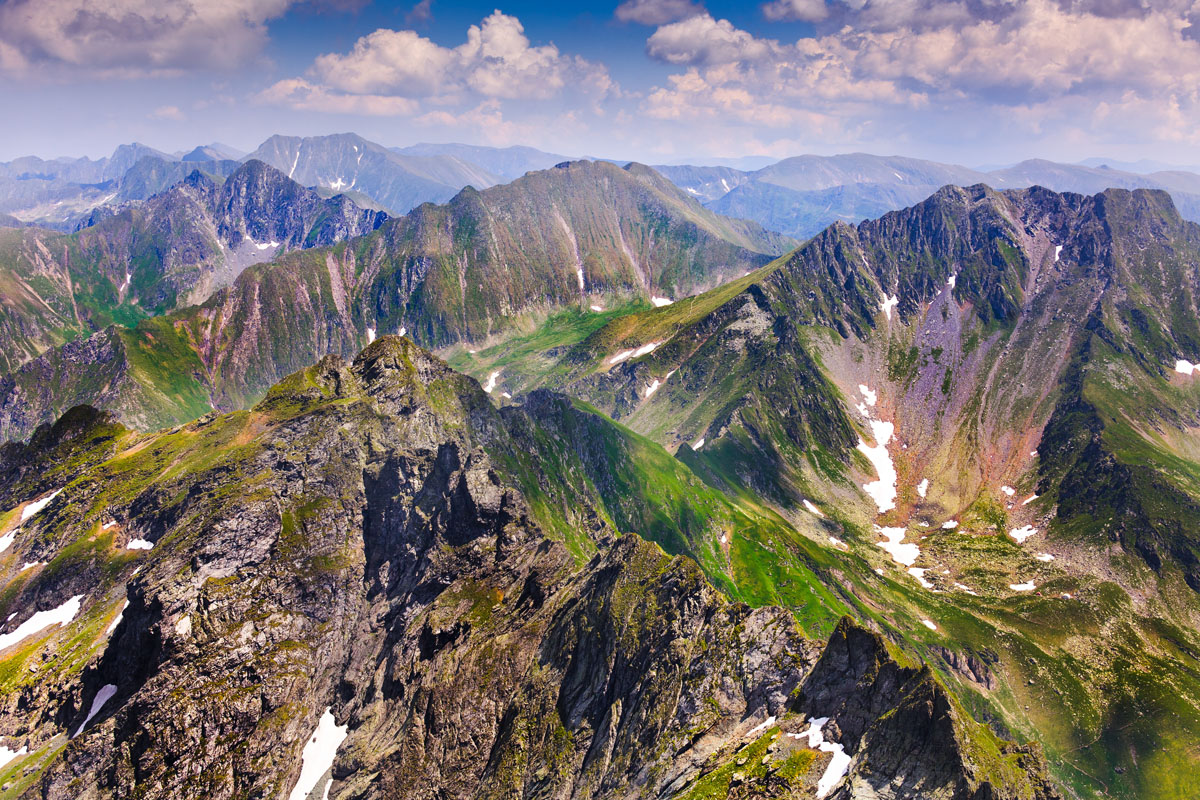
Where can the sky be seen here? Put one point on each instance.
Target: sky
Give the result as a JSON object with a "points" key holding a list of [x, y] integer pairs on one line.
{"points": [[975, 82]]}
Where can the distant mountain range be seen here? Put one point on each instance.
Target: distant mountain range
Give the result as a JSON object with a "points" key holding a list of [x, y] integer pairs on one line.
{"points": [[800, 196]]}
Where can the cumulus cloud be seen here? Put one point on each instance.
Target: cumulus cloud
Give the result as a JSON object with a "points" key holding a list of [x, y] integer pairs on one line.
{"points": [[869, 56], [133, 37], [657, 12], [389, 71]]}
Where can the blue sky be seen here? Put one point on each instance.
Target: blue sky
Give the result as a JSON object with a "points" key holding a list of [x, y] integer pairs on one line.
{"points": [[970, 81]]}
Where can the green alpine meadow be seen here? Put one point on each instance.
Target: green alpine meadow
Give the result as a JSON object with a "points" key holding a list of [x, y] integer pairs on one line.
{"points": [[626, 400]]}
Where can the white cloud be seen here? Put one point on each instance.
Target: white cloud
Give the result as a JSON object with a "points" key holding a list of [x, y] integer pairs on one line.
{"points": [[133, 37], [804, 10], [167, 112], [657, 12], [391, 71]]}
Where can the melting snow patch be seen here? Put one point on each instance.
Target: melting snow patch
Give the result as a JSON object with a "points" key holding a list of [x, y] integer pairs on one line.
{"points": [[139, 544], [112, 523], [43, 619], [7, 539], [698, 443], [879, 570], [762, 726], [1057, 252], [506, 395], [813, 509], [919, 574], [888, 304], [579, 275], [103, 696], [117, 620], [403, 330], [1185, 367], [836, 769], [951, 280], [1046, 557], [903, 554], [597, 308], [7, 755], [318, 755], [370, 335], [125, 285], [659, 302], [645, 349], [836, 542], [964, 588], [1066, 596], [929, 624], [923, 487], [1022, 587], [621, 356], [1021, 534], [1029, 499], [1008, 490], [867, 394], [266, 245], [32, 564], [491, 382], [653, 387], [882, 491], [37, 505], [949, 524]]}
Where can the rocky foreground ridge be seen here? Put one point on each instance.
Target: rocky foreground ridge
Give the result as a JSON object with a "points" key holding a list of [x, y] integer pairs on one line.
{"points": [[356, 558]]}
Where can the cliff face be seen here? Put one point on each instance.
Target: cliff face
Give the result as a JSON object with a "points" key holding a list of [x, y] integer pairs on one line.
{"points": [[356, 557]]}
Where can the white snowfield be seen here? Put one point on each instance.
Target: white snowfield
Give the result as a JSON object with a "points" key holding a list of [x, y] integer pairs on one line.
{"points": [[370, 335], [888, 304], [882, 491], [103, 696], [266, 245], [1185, 367], [1046, 557], [1021, 534], [659, 302], [318, 755], [762, 726], [7, 755], [652, 387], [1022, 587], [61, 615], [621, 356], [813, 509], [597, 308], [1029, 499], [490, 386], [139, 544], [645, 349], [903, 554], [838, 765], [923, 487], [949, 524], [868, 395], [37, 505], [1008, 490], [698, 443], [929, 624], [7, 539], [919, 574], [1057, 252], [117, 620]]}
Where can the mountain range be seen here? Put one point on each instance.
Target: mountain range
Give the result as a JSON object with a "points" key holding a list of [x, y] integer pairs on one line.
{"points": [[572, 486]]}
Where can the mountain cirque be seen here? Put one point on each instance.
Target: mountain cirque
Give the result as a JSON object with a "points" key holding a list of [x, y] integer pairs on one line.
{"points": [[359, 543]]}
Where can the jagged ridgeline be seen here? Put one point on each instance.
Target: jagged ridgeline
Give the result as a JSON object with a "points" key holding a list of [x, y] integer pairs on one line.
{"points": [[359, 588], [582, 236], [990, 401]]}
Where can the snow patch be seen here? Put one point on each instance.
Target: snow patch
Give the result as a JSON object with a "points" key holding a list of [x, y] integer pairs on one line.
{"points": [[1045, 557], [506, 395], [1057, 252], [1008, 490], [7, 755], [370, 335], [103, 696], [837, 766], [652, 387], [1185, 367], [903, 554], [491, 382], [1022, 587], [1029, 499], [964, 588], [139, 544], [117, 620], [43, 619], [7, 539], [1021, 534], [318, 755], [929, 624], [404, 331], [923, 487], [37, 505], [621, 356], [949, 524], [867, 394], [919, 574], [659, 302], [266, 245], [125, 285], [882, 491], [597, 308], [888, 304], [579, 275], [645, 349], [112, 523], [698, 443], [836, 542], [952, 280], [813, 509], [762, 726], [32, 564]]}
